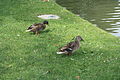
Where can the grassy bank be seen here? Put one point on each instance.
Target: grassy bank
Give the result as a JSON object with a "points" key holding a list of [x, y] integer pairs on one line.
{"points": [[24, 56]]}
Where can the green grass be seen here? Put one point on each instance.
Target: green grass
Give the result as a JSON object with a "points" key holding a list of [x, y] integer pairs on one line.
{"points": [[32, 57]]}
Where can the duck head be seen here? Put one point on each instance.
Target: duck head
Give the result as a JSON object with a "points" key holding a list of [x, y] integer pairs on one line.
{"points": [[45, 22], [79, 38]]}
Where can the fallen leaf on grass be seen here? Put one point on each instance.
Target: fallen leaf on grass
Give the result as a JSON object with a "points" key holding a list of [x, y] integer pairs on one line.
{"points": [[77, 77]]}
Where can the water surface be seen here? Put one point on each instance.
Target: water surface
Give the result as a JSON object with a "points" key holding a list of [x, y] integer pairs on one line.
{"points": [[103, 13]]}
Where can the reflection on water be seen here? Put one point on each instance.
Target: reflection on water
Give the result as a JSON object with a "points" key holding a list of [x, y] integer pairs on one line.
{"points": [[103, 13]]}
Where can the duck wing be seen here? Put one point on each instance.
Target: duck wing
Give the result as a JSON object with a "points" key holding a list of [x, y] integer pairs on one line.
{"points": [[34, 25], [68, 47], [71, 45], [38, 27]]}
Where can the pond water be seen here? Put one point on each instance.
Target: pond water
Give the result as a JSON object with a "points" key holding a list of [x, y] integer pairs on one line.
{"points": [[103, 13]]}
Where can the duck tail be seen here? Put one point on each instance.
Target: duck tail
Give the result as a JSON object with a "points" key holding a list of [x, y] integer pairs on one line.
{"points": [[27, 30], [60, 52]]}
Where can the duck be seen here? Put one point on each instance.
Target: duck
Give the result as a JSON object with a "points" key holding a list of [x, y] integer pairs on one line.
{"points": [[71, 47], [35, 28]]}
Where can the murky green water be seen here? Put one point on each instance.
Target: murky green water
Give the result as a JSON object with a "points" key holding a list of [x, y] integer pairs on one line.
{"points": [[103, 13]]}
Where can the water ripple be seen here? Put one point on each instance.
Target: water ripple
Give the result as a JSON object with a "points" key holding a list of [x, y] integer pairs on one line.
{"points": [[102, 13]]}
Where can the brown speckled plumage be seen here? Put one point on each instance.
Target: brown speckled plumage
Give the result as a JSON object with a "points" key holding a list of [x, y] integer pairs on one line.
{"points": [[70, 47], [35, 28]]}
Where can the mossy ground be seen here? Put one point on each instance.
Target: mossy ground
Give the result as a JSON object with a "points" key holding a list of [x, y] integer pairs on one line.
{"points": [[24, 56]]}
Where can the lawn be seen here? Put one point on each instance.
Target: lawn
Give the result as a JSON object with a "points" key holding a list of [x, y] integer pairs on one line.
{"points": [[25, 56]]}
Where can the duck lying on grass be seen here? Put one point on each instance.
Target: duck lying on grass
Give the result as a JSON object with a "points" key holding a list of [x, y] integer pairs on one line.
{"points": [[35, 28], [71, 47]]}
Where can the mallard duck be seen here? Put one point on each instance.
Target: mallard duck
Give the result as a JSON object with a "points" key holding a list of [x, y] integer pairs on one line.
{"points": [[71, 47], [35, 28]]}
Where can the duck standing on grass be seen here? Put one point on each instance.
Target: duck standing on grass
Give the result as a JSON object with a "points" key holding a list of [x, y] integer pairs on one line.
{"points": [[35, 28], [71, 47]]}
